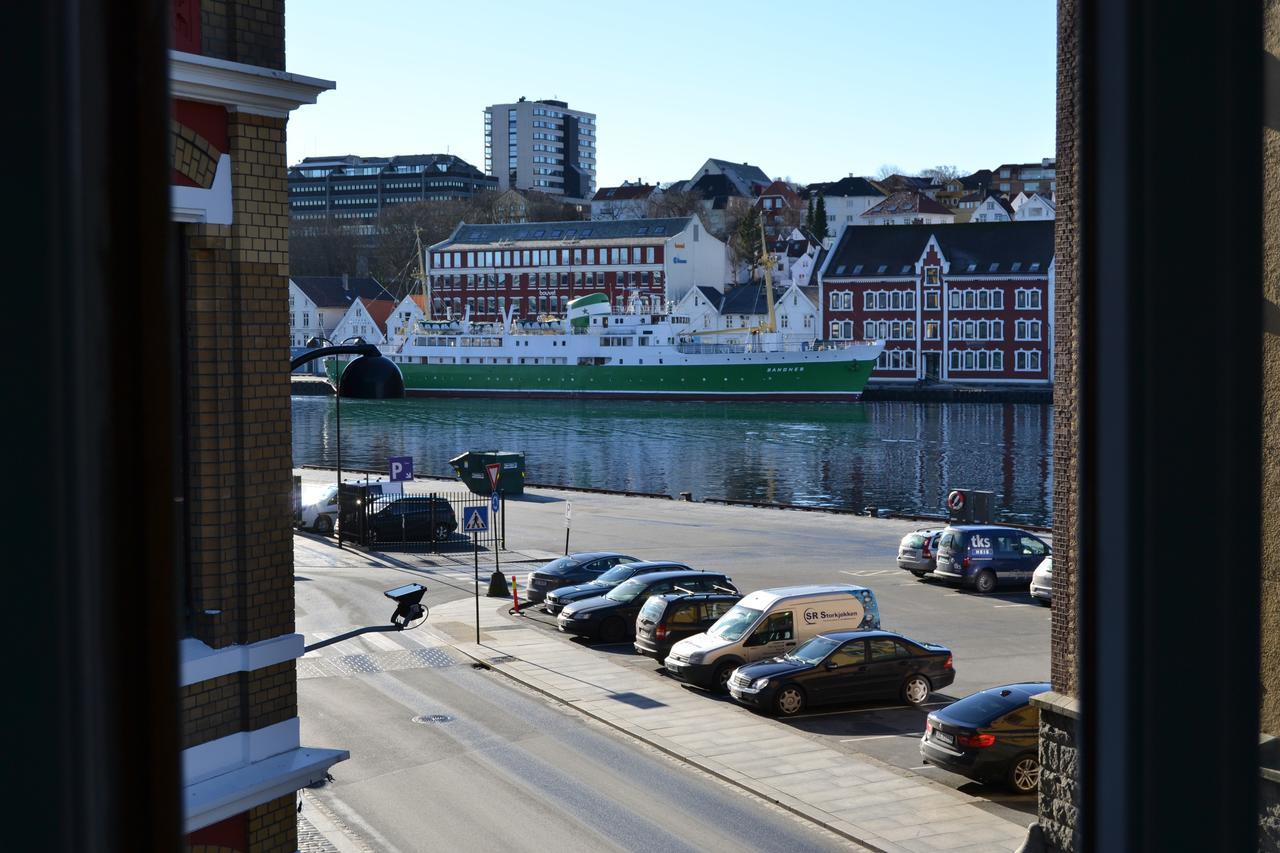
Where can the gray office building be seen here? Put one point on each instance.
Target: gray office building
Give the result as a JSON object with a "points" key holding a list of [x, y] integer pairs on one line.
{"points": [[542, 146]]}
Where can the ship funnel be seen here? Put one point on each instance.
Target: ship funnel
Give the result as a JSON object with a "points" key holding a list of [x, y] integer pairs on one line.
{"points": [[581, 310]]}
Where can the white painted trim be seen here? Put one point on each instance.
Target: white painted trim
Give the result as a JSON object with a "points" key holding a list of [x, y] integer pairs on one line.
{"points": [[239, 790], [215, 757], [244, 88], [196, 204], [201, 663]]}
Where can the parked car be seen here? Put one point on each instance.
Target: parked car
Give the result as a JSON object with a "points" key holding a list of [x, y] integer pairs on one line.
{"points": [[669, 618], [572, 569], [320, 514], [416, 518], [991, 736], [842, 667], [555, 601], [1042, 582], [612, 616], [983, 556], [918, 551], [768, 623]]}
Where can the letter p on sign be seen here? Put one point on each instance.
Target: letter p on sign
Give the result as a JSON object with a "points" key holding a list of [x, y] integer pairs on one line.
{"points": [[401, 468]]}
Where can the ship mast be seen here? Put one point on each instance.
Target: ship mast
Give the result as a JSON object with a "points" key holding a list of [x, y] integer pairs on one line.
{"points": [[766, 261], [422, 274]]}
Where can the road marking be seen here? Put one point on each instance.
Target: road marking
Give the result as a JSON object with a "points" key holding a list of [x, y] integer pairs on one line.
{"points": [[866, 573], [867, 710], [385, 643], [921, 767], [1012, 605], [878, 737]]}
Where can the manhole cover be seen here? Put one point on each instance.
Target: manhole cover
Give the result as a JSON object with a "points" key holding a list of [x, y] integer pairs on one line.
{"points": [[433, 718]]}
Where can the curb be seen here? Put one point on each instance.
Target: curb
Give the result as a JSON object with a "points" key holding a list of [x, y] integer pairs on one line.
{"points": [[794, 808]]}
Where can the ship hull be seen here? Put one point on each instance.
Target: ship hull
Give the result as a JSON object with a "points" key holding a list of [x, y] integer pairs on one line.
{"points": [[804, 381]]}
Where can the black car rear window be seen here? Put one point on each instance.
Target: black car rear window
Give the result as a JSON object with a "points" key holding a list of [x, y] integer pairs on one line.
{"points": [[953, 541], [981, 708], [560, 566], [652, 609]]}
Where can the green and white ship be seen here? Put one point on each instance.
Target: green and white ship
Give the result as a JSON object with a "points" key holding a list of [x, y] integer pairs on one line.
{"points": [[594, 352]]}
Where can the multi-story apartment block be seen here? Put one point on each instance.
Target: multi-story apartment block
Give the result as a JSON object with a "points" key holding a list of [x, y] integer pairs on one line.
{"points": [[969, 304], [352, 190], [542, 146], [537, 267], [1014, 178]]}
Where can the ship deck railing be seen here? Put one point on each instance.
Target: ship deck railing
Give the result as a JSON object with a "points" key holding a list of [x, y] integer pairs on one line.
{"points": [[798, 346]]}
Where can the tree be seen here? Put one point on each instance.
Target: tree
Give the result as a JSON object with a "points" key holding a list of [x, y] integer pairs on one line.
{"points": [[941, 173], [886, 170], [819, 227], [808, 216], [746, 246]]}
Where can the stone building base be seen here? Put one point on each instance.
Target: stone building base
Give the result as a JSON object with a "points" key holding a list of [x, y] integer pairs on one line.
{"points": [[1059, 806]]}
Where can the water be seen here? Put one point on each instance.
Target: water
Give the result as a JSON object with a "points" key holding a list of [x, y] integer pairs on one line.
{"points": [[898, 456]]}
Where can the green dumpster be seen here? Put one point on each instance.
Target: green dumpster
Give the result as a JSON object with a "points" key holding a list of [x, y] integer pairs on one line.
{"points": [[472, 468]]}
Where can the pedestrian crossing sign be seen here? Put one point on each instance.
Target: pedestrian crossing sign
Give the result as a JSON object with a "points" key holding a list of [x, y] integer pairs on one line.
{"points": [[475, 519]]}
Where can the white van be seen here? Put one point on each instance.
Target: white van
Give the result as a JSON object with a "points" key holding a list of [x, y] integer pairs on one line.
{"points": [[320, 508], [769, 623]]}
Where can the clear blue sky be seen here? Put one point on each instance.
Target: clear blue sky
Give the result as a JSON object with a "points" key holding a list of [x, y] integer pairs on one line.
{"points": [[811, 91]]}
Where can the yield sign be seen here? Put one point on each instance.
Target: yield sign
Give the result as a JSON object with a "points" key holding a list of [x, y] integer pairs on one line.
{"points": [[493, 471]]}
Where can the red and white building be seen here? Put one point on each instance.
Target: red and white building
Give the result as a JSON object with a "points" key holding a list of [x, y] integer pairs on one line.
{"points": [[970, 305], [537, 267]]}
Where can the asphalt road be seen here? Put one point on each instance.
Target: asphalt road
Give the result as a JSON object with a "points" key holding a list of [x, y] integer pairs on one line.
{"points": [[495, 766], [996, 639]]}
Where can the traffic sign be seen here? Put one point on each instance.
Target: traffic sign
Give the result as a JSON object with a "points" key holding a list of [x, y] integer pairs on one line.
{"points": [[568, 513], [475, 519], [493, 471], [401, 468], [495, 503]]}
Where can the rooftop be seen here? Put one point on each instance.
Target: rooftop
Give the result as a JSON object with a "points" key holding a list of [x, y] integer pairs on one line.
{"points": [[575, 231], [977, 248]]}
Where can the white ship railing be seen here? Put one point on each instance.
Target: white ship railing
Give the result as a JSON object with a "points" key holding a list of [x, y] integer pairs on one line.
{"points": [[802, 346]]}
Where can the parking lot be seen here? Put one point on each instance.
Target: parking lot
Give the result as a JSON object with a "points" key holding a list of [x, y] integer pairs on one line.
{"points": [[996, 639]]}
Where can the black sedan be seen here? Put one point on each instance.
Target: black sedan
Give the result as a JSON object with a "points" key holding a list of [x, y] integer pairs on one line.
{"points": [[556, 600], [992, 736], [571, 569], [841, 667], [612, 616]]}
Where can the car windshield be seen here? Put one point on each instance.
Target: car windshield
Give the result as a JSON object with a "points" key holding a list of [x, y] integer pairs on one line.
{"points": [[560, 566], [735, 623], [626, 591], [616, 575], [814, 650]]}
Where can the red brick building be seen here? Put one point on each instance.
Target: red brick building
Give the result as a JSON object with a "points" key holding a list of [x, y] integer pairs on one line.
{"points": [[242, 761], [965, 304], [537, 267]]}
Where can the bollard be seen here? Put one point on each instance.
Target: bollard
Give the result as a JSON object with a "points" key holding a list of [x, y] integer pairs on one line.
{"points": [[497, 585], [686, 496], [515, 596]]}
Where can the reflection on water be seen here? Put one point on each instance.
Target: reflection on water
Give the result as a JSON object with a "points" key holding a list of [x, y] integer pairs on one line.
{"points": [[900, 456]]}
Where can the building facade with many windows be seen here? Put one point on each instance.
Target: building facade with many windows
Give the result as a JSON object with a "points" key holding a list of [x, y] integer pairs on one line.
{"points": [[352, 190], [537, 267], [542, 146], [961, 305]]}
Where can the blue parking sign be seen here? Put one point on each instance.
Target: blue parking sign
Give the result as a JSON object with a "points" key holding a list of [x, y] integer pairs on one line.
{"points": [[401, 468]]}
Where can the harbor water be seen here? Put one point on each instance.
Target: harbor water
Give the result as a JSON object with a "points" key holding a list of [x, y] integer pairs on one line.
{"points": [[898, 456]]}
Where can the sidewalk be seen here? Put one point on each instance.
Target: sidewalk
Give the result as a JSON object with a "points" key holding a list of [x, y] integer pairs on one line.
{"points": [[875, 805]]}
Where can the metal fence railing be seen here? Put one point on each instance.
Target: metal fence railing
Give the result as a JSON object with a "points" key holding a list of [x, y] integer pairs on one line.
{"points": [[414, 520]]}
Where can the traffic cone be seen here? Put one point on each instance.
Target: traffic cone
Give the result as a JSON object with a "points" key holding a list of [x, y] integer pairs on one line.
{"points": [[515, 596]]}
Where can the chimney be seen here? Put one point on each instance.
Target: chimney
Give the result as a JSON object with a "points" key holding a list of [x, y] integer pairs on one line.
{"points": [[346, 282]]}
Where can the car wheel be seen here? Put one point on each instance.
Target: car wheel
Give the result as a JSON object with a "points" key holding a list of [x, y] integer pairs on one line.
{"points": [[985, 582], [1024, 773], [442, 532], [1045, 602], [721, 680], [324, 525], [915, 690], [919, 575], [788, 701], [613, 631]]}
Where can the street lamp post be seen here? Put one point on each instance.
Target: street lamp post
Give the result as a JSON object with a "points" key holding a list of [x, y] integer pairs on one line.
{"points": [[372, 376]]}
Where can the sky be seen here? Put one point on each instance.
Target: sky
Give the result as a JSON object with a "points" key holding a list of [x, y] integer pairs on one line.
{"points": [[811, 91]]}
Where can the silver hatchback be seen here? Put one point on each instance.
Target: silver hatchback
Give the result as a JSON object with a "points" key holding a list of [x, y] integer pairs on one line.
{"points": [[1042, 582], [918, 551]]}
